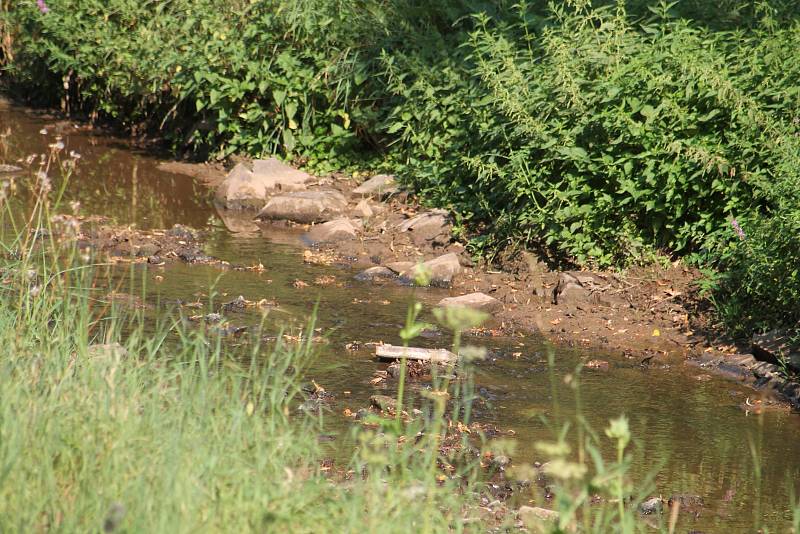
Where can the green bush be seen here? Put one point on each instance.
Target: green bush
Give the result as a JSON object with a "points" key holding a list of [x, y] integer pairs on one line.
{"points": [[601, 133], [600, 140], [758, 285], [219, 78]]}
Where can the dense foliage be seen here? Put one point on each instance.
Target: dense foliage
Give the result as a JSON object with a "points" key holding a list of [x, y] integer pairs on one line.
{"points": [[601, 133]]}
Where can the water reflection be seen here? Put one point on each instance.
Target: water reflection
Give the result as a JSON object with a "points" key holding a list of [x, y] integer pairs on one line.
{"points": [[109, 179]]}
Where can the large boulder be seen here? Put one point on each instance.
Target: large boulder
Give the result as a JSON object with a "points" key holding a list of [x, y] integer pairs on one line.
{"points": [[249, 189], [475, 301], [239, 190], [332, 231], [275, 174], [305, 206], [378, 186]]}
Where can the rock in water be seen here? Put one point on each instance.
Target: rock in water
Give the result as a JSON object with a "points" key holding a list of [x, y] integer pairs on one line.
{"points": [[375, 273], [475, 301], [240, 190], [439, 271], [243, 188], [330, 232], [378, 186], [392, 352], [305, 206], [651, 506], [383, 402]]}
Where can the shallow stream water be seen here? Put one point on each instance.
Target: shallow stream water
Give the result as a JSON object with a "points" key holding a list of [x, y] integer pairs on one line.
{"points": [[694, 433]]}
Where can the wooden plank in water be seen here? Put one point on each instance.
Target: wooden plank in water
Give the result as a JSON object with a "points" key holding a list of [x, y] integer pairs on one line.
{"points": [[392, 352]]}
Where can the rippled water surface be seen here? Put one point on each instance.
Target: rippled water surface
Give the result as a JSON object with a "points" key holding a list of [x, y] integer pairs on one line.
{"points": [[693, 433]]}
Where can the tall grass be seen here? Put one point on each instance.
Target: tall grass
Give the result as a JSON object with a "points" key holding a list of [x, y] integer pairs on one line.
{"points": [[109, 422]]}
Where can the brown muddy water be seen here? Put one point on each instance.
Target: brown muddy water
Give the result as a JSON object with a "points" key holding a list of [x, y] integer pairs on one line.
{"points": [[692, 433]]}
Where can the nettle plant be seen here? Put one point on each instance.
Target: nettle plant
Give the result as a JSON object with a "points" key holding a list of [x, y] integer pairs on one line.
{"points": [[601, 140]]}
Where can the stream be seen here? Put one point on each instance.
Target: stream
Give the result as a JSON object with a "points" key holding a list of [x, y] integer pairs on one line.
{"points": [[693, 433]]}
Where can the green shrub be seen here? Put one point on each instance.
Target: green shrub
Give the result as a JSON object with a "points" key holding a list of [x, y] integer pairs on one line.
{"points": [[601, 133], [598, 139], [254, 78], [758, 285]]}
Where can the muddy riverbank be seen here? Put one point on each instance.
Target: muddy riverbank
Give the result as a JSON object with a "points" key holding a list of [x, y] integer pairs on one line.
{"points": [[694, 427], [653, 316]]}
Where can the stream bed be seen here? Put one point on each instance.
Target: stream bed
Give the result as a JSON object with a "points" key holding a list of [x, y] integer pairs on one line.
{"points": [[693, 433]]}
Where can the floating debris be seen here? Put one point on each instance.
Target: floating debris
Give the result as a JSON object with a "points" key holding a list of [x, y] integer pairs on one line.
{"points": [[392, 352]]}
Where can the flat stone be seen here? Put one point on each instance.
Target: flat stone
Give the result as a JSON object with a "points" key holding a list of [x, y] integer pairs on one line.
{"points": [[394, 352], [378, 186], [440, 271], [277, 175], [249, 189], [375, 273], [332, 231], [776, 347], [305, 206], [476, 301], [533, 516], [427, 226]]}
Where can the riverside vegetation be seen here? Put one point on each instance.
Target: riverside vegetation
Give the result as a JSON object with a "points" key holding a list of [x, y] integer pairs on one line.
{"points": [[178, 431], [111, 422], [599, 133]]}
